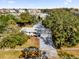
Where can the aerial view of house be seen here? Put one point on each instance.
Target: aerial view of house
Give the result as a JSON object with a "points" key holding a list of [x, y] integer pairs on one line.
{"points": [[39, 29]]}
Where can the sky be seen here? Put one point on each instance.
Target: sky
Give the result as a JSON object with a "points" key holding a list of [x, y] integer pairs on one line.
{"points": [[39, 3]]}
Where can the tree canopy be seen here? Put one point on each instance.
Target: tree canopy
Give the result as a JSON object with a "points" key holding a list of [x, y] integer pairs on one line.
{"points": [[13, 40], [27, 18], [4, 21], [64, 26]]}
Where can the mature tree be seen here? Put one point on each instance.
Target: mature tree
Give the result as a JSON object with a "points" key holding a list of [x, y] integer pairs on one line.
{"points": [[27, 18]]}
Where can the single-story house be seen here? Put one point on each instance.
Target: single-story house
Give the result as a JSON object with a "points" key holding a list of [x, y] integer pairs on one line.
{"points": [[29, 31]]}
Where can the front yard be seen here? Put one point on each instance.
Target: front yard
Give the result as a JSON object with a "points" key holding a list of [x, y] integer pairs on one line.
{"points": [[15, 53]]}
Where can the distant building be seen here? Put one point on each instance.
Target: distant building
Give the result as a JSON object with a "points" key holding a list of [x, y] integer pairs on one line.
{"points": [[12, 11], [34, 11], [22, 11], [6, 10], [38, 13]]}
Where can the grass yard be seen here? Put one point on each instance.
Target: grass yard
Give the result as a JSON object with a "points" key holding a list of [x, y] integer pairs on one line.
{"points": [[10, 54], [14, 54]]}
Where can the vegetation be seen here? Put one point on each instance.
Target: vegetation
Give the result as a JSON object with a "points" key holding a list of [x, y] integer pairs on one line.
{"points": [[9, 30], [4, 21], [10, 36], [13, 40], [64, 26], [64, 55], [27, 18]]}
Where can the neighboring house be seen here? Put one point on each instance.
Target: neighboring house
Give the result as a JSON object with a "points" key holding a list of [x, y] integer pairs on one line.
{"points": [[29, 31], [35, 30], [32, 31]]}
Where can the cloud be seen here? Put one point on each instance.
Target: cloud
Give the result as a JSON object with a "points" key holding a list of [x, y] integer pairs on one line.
{"points": [[67, 1], [8, 1], [11, 1]]}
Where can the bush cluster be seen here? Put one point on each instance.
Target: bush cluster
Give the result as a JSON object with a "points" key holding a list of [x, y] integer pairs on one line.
{"points": [[64, 26]]}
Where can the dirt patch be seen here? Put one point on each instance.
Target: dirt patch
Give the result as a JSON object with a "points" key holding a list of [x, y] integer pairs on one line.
{"points": [[33, 41]]}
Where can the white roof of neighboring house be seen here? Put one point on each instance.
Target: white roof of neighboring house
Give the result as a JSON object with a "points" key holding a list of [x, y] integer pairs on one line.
{"points": [[25, 29]]}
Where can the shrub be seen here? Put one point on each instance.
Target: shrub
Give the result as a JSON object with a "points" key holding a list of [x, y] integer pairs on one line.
{"points": [[13, 40]]}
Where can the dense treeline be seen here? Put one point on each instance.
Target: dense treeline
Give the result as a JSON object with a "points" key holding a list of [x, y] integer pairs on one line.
{"points": [[64, 26]]}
